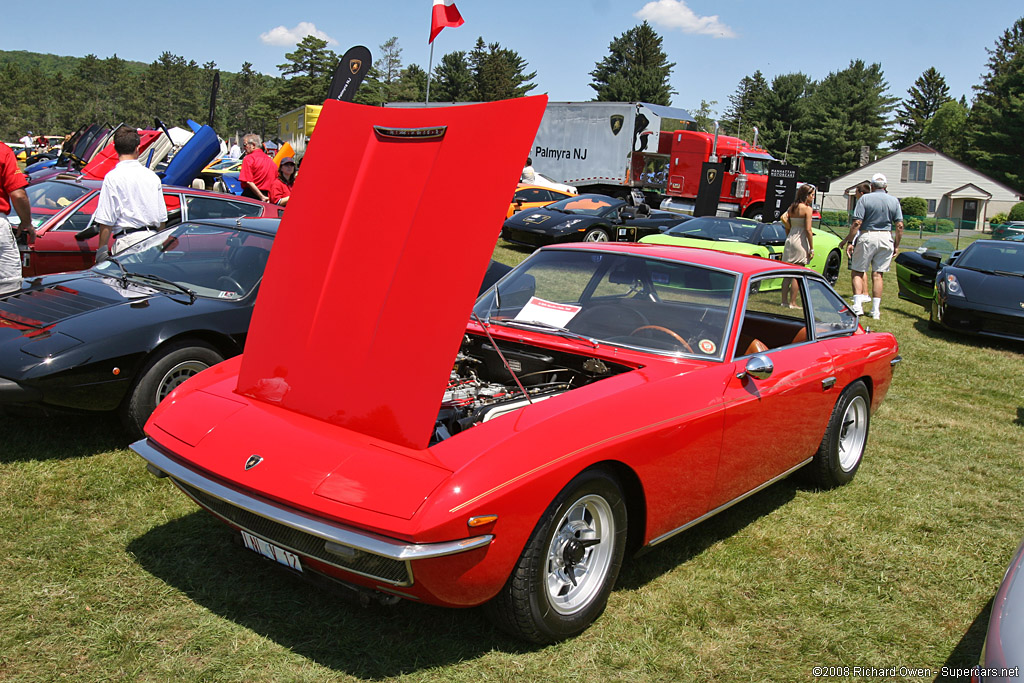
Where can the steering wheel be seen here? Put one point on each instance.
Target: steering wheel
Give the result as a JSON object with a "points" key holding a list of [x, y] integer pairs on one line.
{"points": [[232, 284], [664, 330]]}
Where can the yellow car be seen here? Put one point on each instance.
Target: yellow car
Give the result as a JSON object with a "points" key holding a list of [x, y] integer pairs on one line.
{"points": [[534, 196]]}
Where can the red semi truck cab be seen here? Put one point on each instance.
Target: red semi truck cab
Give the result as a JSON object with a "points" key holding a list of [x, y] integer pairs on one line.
{"points": [[746, 172]]}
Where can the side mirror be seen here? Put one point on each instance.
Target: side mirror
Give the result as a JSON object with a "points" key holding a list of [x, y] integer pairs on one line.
{"points": [[759, 366], [627, 213]]}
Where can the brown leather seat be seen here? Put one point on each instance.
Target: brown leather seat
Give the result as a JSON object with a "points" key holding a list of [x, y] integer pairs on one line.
{"points": [[753, 346], [800, 336]]}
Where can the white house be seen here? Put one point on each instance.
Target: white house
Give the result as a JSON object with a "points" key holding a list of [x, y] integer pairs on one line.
{"points": [[951, 188]]}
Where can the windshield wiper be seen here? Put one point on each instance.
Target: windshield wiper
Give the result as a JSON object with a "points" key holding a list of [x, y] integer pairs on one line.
{"points": [[535, 324], [172, 283], [124, 273], [1006, 272]]}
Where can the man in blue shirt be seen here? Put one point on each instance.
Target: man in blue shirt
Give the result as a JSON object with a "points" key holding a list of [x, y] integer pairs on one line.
{"points": [[879, 219]]}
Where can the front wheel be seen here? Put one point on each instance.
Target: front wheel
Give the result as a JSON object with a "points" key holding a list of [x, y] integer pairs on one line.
{"points": [[167, 369], [754, 212], [842, 448], [832, 266], [596, 235], [562, 581]]}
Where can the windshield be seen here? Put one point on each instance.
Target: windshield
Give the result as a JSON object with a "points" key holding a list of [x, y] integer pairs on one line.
{"points": [[588, 204], [51, 197], [993, 256], [212, 261], [617, 299], [719, 229], [756, 166]]}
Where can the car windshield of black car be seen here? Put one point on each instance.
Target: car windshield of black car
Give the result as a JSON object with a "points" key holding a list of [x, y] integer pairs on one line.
{"points": [[654, 305], [587, 205], [214, 262], [993, 257]]}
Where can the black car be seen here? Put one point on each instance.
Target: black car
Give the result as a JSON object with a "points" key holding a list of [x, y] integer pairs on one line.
{"points": [[979, 290], [122, 335], [587, 218]]}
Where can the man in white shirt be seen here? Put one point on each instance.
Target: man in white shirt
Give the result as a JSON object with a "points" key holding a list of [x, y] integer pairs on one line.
{"points": [[28, 141], [131, 199]]}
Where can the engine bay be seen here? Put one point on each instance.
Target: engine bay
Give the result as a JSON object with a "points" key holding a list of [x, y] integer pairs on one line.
{"points": [[481, 386]]}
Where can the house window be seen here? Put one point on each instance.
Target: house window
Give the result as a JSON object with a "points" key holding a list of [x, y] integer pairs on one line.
{"points": [[917, 172], [931, 206]]}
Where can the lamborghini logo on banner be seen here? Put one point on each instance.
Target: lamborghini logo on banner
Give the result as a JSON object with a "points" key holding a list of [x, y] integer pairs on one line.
{"points": [[712, 174], [616, 121], [354, 65]]}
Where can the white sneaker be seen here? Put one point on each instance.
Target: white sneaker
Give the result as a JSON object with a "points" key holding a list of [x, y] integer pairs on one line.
{"points": [[856, 307], [876, 315]]}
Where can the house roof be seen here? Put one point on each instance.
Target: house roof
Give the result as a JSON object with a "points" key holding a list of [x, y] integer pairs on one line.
{"points": [[970, 191], [921, 148]]}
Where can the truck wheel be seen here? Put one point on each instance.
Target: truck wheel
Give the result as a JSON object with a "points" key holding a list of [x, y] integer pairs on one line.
{"points": [[754, 211], [596, 235]]}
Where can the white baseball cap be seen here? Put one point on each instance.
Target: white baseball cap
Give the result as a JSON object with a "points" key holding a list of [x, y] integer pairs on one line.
{"points": [[879, 179]]}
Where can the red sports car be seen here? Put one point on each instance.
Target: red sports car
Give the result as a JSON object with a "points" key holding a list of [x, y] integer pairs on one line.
{"points": [[63, 208], [601, 398]]}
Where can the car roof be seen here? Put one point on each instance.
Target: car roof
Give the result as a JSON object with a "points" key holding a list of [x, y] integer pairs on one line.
{"points": [[265, 225], [745, 264], [94, 184]]}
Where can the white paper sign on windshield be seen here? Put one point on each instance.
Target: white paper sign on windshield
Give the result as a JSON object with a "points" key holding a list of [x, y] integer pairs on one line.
{"points": [[548, 312]]}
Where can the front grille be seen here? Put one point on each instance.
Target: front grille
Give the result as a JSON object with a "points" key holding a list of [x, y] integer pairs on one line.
{"points": [[385, 569]]}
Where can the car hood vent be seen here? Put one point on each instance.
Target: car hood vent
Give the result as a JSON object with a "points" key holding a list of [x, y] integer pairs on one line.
{"points": [[41, 307]]}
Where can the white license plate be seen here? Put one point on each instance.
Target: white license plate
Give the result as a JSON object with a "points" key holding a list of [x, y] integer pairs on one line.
{"points": [[271, 551]]}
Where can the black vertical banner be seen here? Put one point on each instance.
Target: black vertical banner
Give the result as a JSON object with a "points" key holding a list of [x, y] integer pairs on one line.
{"points": [[709, 190], [349, 74], [780, 191]]}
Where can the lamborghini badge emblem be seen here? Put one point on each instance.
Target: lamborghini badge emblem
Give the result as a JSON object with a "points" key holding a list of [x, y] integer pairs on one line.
{"points": [[354, 65], [712, 174], [253, 461], [616, 123]]}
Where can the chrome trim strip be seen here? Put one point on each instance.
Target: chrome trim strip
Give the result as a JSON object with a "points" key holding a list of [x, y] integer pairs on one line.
{"points": [[828, 383], [670, 534], [361, 540], [895, 361]]}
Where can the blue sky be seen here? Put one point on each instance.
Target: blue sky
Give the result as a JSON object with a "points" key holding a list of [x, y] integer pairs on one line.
{"points": [[714, 44]]}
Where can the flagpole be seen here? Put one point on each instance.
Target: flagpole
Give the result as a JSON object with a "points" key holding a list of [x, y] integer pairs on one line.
{"points": [[430, 67]]}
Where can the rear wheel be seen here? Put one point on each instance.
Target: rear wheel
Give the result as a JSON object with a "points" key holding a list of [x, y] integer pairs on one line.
{"points": [[832, 266], [842, 448], [754, 211], [163, 373], [596, 235], [563, 578]]}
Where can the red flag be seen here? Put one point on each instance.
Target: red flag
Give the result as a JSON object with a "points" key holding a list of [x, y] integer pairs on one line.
{"points": [[445, 13]]}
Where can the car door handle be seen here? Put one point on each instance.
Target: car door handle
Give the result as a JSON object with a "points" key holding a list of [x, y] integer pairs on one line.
{"points": [[828, 383]]}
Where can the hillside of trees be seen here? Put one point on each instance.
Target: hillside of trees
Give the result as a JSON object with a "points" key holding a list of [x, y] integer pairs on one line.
{"points": [[828, 127]]}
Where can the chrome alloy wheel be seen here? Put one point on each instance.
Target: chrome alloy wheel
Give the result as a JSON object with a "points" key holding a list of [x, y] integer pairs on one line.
{"points": [[596, 235], [854, 433], [580, 554], [176, 375]]}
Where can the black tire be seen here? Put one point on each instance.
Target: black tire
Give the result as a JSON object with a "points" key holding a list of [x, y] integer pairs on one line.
{"points": [[166, 369], [754, 212], [597, 235], [833, 264], [842, 448], [539, 603]]}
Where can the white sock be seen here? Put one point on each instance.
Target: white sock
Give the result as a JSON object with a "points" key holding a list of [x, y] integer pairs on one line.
{"points": [[875, 303]]}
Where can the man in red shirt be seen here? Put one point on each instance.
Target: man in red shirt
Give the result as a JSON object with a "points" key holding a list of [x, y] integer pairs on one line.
{"points": [[258, 170], [12, 193]]}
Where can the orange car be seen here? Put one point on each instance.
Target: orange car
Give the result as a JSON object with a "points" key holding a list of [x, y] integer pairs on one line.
{"points": [[534, 196]]}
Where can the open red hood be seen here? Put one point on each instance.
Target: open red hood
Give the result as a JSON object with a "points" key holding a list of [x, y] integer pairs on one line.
{"points": [[378, 261]]}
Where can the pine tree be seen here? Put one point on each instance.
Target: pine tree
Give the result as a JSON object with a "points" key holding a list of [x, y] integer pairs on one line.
{"points": [[747, 107], [453, 79], [946, 130], [784, 113], [848, 110], [310, 67], [923, 100], [997, 117], [636, 69], [498, 72]]}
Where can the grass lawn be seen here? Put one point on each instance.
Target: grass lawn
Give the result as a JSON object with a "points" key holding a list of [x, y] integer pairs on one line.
{"points": [[109, 574]]}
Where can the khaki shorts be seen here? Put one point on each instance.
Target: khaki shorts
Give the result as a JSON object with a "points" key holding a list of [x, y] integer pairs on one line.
{"points": [[873, 252]]}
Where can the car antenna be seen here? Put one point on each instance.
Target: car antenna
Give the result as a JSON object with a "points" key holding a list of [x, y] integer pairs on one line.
{"points": [[502, 357]]}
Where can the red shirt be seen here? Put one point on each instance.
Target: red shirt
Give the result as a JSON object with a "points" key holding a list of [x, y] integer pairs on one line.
{"points": [[258, 168], [11, 177], [279, 190]]}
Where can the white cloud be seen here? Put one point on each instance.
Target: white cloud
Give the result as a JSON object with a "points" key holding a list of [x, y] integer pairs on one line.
{"points": [[289, 37], [671, 14]]}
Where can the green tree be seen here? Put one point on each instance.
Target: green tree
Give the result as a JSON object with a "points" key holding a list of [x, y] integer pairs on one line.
{"points": [[947, 129], [997, 117], [412, 86], [848, 111], [747, 107], [453, 79], [923, 100], [308, 73], [784, 113], [498, 73], [705, 116], [636, 69], [247, 101]]}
